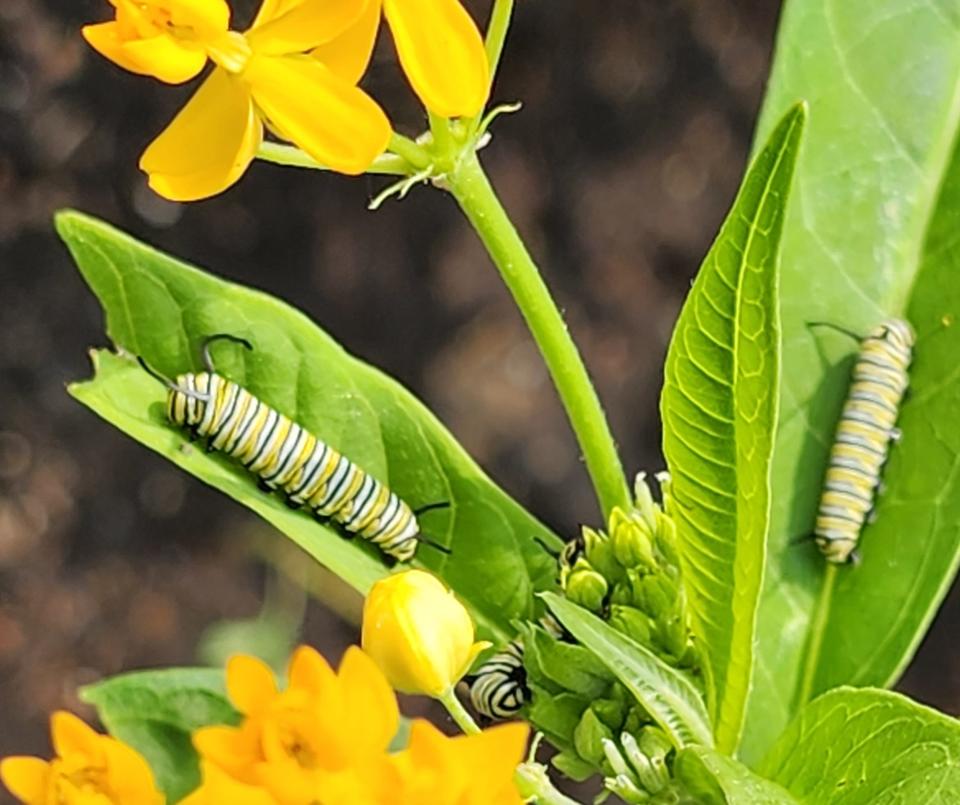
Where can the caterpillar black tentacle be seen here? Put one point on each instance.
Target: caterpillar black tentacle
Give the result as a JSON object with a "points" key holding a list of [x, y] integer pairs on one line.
{"points": [[287, 458]]}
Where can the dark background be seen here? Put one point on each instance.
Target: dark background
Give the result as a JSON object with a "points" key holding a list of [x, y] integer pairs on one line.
{"points": [[618, 171]]}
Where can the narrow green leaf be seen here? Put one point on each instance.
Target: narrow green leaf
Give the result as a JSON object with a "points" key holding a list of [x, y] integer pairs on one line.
{"points": [[715, 779], [868, 747], [666, 694], [871, 232], [155, 712], [719, 410], [161, 309]]}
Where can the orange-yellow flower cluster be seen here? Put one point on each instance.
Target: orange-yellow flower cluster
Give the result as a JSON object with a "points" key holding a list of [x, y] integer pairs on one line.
{"points": [[90, 769], [324, 739], [294, 70]]}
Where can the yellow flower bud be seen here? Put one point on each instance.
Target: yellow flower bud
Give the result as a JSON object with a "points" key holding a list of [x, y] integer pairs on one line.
{"points": [[418, 633]]}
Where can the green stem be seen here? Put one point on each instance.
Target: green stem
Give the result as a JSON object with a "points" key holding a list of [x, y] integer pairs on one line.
{"points": [[291, 156], [818, 628], [458, 712], [409, 151], [478, 200], [444, 147], [497, 33], [532, 783]]}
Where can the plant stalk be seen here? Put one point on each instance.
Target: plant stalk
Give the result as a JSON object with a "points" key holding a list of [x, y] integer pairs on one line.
{"points": [[478, 200], [458, 712]]}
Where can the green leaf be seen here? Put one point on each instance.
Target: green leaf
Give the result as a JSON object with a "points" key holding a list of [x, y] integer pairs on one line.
{"points": [[871, 232], [155, 712], [161, 309], [719, 411], [715, 779], [868, 747], [665, 693], [572, 667]]}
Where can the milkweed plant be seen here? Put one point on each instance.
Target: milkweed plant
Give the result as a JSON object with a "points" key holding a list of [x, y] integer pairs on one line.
{"points": [[691, 644]]}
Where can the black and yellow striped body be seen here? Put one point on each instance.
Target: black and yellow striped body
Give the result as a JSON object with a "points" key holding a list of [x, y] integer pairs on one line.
{"points": [[863, 438], [287, 457], [498, 689]]}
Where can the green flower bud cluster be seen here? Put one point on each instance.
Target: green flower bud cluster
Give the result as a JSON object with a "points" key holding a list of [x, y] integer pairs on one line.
{"points": [[641, 771], [630, 577]]}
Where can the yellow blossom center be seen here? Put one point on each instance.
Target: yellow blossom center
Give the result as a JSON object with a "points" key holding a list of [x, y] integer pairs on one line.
{"points": [[71, 782]]}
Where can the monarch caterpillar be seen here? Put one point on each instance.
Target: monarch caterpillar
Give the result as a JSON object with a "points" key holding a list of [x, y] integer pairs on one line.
{"points": [[287, 457], [498, 689], [863, 437]]}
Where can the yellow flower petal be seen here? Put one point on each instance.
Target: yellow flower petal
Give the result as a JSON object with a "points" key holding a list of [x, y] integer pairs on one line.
{"points": [[309, 671], [250, 683], [370, 700], [165, 58], [349, 54], [337, 124], [234, 749], [108, 40], [26, 777], [71, 735], [206, 17], [131, 779], [442, 53], [271, 9], [202, 152], [305, 25], [219, 788]]}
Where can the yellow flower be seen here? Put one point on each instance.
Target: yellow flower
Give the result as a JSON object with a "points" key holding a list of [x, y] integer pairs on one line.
{"points": [[315, 740], [323, 741], [418, 633], [262, 76], [442, 53], [465, 770], [90, 769]]}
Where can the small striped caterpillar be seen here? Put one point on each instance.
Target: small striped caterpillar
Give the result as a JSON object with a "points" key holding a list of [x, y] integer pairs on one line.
{"points": [[288, 458]]}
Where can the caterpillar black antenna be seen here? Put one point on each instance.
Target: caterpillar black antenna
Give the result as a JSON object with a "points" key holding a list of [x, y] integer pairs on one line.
{"points": [[443, 504], [542, 543], [837, 327], [210, 339], [435, 545], [169, 383]]}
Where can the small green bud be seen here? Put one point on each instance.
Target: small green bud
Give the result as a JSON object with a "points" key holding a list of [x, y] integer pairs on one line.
{"points": [[633, 623], [643, 498], [588, 738], [654, 743], [650, 773], [632, 544], [610, 711], [658, 595], [591, 539], [642, 769], [614, 758], [626, 789], [673, 636], [587, 588], [637, 718], [666, 539]]}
